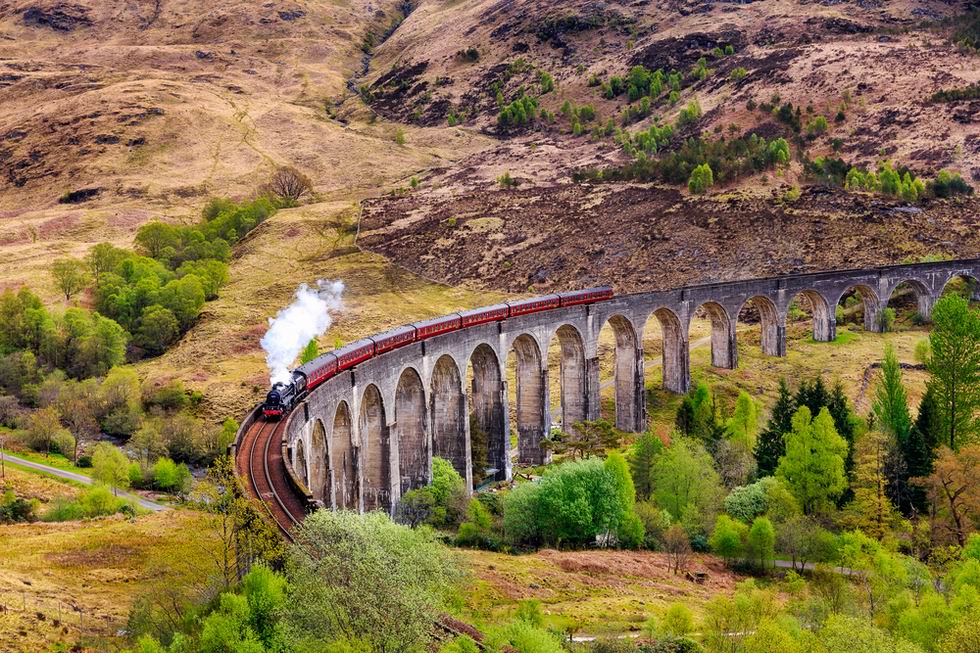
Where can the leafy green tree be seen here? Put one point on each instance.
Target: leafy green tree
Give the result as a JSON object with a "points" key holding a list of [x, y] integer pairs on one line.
{"points": [[954, 368], [104, 258], [743, 425], [644, 452], [184, 297], [157, 239], [310, 351], [70, 276], [813, 466], [683, 476], [110, 466], [770, 446], [629, 530], [363, 576], [158, 329], [761, 541], [726, 540], [701, 179], [677, 620]]}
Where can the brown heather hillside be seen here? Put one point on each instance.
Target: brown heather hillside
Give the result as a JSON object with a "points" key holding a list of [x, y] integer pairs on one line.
{"points": [[115, 113]]}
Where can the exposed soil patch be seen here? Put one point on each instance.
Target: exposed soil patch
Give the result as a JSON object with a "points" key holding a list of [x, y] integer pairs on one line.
{"points": [[646, 237]]}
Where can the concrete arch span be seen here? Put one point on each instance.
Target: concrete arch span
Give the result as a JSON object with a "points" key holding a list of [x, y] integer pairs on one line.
{"points": [[344, 460], [573, 375], [773, 327], [870, 302], [675, 360], [375, 452], [487, 421], [410, 430], [724, 353], [627, 374], [531, 409], [319, 464], [450, 435]]}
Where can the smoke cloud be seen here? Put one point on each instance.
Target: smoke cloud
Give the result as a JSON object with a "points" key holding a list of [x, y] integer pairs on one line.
{"points": [[308, 317]]}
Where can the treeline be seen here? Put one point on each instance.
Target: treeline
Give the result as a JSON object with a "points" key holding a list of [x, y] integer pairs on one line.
{"points": [[727, 159], [888, 179]]}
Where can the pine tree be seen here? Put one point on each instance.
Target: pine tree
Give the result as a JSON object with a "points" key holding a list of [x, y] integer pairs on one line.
{"points": [[645, 451], [919, 452], [770, 446], [954, 366], [813, 466], [871, 510], [813, 395], [891, 404], [841, 413]]}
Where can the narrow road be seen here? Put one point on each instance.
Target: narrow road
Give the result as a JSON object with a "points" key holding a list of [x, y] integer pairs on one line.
{"points": [[54, 471]]}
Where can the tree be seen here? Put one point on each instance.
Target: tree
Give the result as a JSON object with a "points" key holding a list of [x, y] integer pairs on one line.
{"points": [[770, 446], [110, 466], [677, 546], [588, 438], [629, 529], [701, 179], [364, 576], [813, 466], [761, 543], [184, 297], [43, 428], [240, 533], [743, 426], [69, 275], [678, 620], [289, 185], [158, 329], [726, 540], [891, 404], [644, 453], [954, 366], [103, 258], [804, 540], [954, 490], [684, 476], [310, 351], [157, 239], [871, 510]]}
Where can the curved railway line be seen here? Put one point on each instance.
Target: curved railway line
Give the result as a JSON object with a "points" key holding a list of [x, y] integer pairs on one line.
{"points": [[260, 466]]}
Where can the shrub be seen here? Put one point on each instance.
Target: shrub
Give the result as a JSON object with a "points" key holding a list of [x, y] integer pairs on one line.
{"points": [[14, 509], [738, 74], [948, 184], [506, 181], [168, 476], [817, 126], [701, 179], [519, 113], [690, 113], [886, 319], [546, 81], [96, 501]]}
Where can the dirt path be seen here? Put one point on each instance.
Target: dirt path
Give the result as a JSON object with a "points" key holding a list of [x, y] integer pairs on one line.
{"points": [[54, 471]]}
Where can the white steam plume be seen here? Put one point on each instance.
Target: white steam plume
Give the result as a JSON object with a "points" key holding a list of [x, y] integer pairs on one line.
{"points": [[294, 326]]}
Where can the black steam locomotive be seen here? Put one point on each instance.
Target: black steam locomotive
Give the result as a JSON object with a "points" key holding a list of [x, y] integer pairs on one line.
{"points": [[283, 396]]}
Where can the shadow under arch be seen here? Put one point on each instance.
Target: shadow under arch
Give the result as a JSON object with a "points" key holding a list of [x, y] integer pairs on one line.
{"points": [[772, 338], [489, 447], [410, 431], [319, 460], [531, 405], [448, 411], [344, 456], [627, 377], [375, 450]]}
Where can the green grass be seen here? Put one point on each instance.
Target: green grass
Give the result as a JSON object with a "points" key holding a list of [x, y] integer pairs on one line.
{"points": [[55, 460], [31, 470], [843, 337]]}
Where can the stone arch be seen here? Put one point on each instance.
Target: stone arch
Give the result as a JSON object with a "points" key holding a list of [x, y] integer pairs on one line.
{"points": [[319, 461], [675, 366], [920, 293], [572, 376], [410, 432], [489, 445], [723, 351], [375, 450], [344, 457], [772, 338], [301, 466], [531, 405], [971, 281], [448, 410], [627, 376], [869, 301], [823, 319]]}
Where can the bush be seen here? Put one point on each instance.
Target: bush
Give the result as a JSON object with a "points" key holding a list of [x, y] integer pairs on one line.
{"points": [[168, 476], [506, 181], [701, 179], [948, 184], [519, 113], [886, 319], [572, 503], [14, 509], [96, 501], [690, 113]]}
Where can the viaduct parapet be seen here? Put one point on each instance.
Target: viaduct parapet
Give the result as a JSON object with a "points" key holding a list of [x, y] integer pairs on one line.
{"points": [[365, 437]]}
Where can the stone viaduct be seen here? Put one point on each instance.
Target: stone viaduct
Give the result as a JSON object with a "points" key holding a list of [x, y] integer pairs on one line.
{"points": [[365, 437]]}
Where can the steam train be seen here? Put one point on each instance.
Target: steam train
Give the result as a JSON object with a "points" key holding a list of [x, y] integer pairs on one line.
{"points": [[283, 396]]}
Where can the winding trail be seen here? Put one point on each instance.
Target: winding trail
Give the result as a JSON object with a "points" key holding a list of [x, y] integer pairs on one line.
{"points": [[81, 478]]}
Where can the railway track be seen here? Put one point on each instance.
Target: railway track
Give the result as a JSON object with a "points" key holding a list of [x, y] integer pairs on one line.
{"points": [[267, 480]]}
